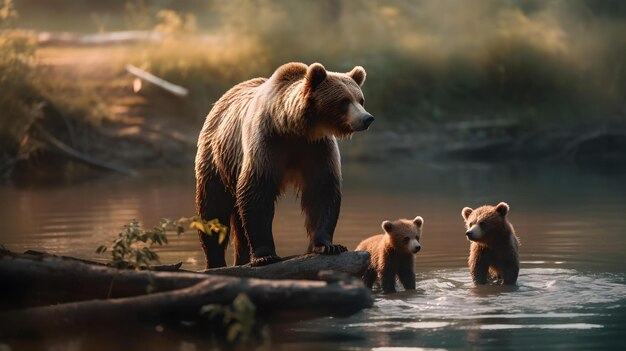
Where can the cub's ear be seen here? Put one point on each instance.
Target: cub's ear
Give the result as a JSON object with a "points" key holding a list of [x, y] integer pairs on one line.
{"points": [[466, 212], [315, 74], [502, 208], [387, 226], [419, 221], [358, 74]]}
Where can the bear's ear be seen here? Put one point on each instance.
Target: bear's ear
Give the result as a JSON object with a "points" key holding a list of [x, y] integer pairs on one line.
{"points": [[315, 74], [387, 226], [466, 212], [358, 74], [502, 208], [418, 221]]}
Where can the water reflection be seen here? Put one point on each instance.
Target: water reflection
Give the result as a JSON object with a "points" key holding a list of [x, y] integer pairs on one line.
{"points": [[571, 291]]}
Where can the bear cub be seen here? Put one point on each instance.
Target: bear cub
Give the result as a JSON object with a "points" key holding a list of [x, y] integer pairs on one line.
{"points": [[392, 253], [494, 245]]}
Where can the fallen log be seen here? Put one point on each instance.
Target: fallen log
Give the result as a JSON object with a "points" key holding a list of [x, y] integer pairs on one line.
{"points": [[50, 280], [275, 300], [110, 38], [302, 267], [41, 279], [157, 267]]}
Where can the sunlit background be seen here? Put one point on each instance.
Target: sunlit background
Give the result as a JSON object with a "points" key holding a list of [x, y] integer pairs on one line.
{"points": [[476, 102]]}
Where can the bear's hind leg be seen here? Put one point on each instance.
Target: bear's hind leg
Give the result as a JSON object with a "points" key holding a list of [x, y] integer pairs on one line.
{"points": [[240, 241], [213, 201], [509, 275], [369, 277], [256, 196]]}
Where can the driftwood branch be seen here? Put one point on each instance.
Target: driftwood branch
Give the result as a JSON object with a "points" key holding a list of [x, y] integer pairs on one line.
{"points": [[161, 83], [302, 267], [110, 38]]}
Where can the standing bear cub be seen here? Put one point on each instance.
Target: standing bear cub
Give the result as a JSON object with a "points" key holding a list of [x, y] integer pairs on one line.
{"points": [[392, 254], [267, 133], [494, 247]]}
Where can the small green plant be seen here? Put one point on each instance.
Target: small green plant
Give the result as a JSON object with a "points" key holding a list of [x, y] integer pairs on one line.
{"points": [[133, 246], [238, 319]]}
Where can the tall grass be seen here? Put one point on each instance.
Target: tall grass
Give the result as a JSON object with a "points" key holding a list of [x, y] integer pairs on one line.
{"points": [[428, 61], [19, 106]]}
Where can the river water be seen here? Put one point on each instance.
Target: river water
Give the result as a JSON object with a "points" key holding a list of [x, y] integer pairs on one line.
{"points": [[571, 291]]}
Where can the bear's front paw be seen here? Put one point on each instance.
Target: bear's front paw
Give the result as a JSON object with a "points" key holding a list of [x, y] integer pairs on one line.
{"points": [[264, 260], [329, 249]]}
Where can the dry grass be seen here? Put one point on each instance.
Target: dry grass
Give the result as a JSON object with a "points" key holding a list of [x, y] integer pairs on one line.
{"points": [[428, 62]]}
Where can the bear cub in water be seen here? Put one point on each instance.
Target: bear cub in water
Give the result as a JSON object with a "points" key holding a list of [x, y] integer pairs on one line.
{"points": [[392, 253], [494, 248]]}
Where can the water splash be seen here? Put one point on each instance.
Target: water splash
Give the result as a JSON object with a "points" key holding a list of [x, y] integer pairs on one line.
{"points": [[447, 310]]}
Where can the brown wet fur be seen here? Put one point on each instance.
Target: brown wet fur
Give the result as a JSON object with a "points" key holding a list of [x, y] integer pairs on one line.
{"points": [[390, 257], [495, 256], [264, 135]]}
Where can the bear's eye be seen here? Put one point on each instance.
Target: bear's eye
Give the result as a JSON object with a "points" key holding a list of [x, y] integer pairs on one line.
{"points": [[345, 104], [361, 101], [406, 240]]}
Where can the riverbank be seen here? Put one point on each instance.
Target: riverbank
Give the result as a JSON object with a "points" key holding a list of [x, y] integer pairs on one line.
{"points": [[90, 114]]}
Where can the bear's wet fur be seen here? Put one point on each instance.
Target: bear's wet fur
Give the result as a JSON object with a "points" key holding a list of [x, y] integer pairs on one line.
{"points": [[392, 254], [494, 248], [267, 133]]}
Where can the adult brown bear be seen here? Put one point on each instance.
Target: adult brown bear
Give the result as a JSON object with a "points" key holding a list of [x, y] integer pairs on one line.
{"points": [[265, 134]]}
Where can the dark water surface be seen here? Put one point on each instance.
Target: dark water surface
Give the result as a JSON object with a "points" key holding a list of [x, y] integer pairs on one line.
{"points": [[571, 291]]}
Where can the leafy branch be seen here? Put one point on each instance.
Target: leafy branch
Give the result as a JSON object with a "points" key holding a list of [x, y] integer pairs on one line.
{"points": [[133, 246]]}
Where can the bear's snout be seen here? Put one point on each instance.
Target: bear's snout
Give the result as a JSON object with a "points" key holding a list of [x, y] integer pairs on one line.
{"points": [[416, 249], [469, 234], [367, 120], [474, 233], [363, 122]]}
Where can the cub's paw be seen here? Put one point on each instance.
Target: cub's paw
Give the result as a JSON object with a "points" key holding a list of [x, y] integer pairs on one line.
{"points": [[329, 249], [264, 260]]}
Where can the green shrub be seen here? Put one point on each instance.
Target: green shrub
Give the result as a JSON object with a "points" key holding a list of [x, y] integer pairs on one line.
{"points": [[133, 246]]}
